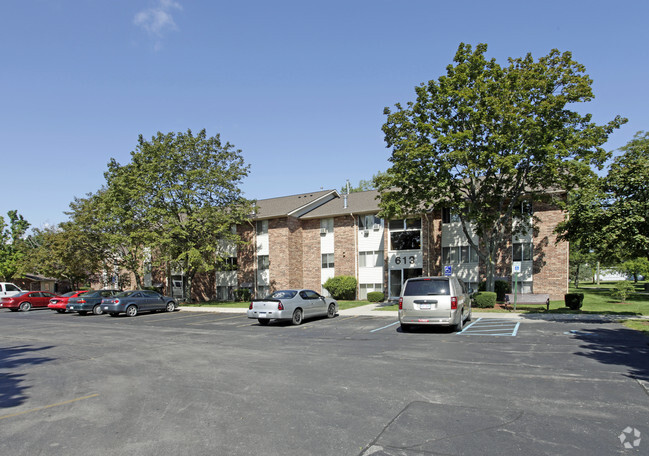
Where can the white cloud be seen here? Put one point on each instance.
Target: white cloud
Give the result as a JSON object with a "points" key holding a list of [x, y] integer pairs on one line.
{"points": [[157, 20]]}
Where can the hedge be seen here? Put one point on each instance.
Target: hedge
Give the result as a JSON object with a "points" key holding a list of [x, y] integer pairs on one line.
{"points": [[341, 287], [484, 299], [375, 296]]}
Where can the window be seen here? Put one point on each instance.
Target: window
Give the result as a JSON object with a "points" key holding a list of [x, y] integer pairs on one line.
{"points": [[227, 264], [524, 209], [448, 216], [262, 227], [405, 234], [522, 251], [370, 259], [327, 260], [459, 255], [263, 262], [263, 291], [326, 226], [369, 222]]}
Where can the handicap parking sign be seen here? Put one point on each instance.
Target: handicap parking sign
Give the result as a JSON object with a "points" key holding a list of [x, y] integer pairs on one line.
{"points": [[448, 270]]}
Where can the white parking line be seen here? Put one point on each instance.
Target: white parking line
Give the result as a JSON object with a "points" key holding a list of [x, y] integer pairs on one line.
{"points": [[491, 327], [387, 326]]}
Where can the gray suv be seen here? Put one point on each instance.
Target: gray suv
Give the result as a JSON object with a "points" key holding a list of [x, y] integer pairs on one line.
{"points": [[434, 301]]}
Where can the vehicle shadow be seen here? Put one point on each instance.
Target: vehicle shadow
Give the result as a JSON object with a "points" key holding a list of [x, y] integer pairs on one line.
{"points": [[12, 388]]}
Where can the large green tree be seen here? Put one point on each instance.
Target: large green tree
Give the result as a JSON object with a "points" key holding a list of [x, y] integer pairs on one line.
{"points": [[12, 244], [180, 196], [484, 138], [610, 215]]}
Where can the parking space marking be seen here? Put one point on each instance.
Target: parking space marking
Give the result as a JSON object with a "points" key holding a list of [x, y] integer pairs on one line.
{"points": [[491, 327], [385, 327], [38, 409]]}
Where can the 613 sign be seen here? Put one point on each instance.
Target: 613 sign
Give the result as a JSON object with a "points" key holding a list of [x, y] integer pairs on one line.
{"points": [[404, 261]]}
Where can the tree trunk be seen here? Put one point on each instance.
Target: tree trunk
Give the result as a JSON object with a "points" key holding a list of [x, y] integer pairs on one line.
{"points": [[188, 294]]}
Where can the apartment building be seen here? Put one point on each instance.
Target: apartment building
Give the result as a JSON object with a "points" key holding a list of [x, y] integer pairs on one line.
{"points": [[300, 241]]}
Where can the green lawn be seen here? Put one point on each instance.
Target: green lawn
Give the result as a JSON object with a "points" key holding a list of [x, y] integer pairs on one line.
{"points": [[638, 325]]}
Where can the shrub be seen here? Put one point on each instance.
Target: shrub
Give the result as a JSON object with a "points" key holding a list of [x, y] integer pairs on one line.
{"points": [[341, 287], [501, 287], [242, 294], [622, 290], [574, 300], [484, 299], [375, 296]]}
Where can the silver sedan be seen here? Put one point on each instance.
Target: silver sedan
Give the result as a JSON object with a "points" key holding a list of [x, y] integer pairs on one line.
{"points": [[292, 305]]}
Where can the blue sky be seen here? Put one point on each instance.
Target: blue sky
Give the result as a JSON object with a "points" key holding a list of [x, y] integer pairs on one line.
{"points": [[298, 86]]}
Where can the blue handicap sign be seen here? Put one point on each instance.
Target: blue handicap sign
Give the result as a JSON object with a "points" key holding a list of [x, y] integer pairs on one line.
{"points": [[448, 270]]}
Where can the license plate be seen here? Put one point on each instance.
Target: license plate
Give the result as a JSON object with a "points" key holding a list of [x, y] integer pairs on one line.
{"points": [[262, 314], [71, 307], [425, 307]]}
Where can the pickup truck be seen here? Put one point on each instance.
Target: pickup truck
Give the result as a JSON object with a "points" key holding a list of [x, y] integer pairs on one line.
{"points": [[9, 289]]}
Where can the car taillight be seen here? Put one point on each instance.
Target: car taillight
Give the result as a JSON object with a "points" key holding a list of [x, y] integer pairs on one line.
{"points": [[280, 306], [81, 301], [400, 303], [115, 301], [453, 302], [250, 308]]}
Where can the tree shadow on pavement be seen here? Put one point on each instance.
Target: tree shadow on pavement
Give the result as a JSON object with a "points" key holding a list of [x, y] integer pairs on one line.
{"points": [[12, 387]]}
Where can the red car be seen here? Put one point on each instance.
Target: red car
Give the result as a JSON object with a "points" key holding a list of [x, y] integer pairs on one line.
{"points": [[58, 303], [26, 300]]}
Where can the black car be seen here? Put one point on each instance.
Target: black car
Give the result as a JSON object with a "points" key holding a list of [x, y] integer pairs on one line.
{"points": [[133, 302], [89, 302]]}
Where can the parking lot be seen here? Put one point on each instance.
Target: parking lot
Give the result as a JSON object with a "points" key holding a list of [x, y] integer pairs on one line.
{"points": [[203, 383]]}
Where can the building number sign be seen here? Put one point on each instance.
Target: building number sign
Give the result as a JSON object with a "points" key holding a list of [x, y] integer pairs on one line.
{"points": [[406, 260]]}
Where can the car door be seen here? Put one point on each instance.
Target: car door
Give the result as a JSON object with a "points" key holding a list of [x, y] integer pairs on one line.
{"points": [[317, 302], [44, 298], [154, 300]]}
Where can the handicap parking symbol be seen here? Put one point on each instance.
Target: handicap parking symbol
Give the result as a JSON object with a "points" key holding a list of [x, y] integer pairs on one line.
{"points": [[448, 270]]}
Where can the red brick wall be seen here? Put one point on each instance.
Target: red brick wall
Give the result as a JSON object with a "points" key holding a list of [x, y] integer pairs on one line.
{"points": [[550, 258], [295, 255], [312, 259], [345, 246], [278, 257]]}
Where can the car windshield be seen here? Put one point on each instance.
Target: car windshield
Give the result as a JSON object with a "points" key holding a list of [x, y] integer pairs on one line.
{"points": [[69, 294], [23, 293], [426, 287], [89, 294], [283, 294]]}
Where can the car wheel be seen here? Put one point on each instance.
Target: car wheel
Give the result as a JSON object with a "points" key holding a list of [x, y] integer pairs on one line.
{"points": [[460, 324], [83, 312], [25, 306], [171, 306], [331, 312], [263, 321], [61, 311], [97, 310], [113, 314], [131, 311], [297, 317]]}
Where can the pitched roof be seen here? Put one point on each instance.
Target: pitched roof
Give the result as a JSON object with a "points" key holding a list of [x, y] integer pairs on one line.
{"points": [[357, 203], [294, 205]]}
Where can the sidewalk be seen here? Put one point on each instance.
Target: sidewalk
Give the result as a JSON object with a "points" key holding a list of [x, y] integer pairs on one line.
{"points": [[371, 310]]}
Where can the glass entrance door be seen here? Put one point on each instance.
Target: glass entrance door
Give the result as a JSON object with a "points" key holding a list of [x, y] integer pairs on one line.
{"points": [[398, 276]]}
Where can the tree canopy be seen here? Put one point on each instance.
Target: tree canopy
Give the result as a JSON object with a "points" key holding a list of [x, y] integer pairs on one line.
{"points": [[610, 215], [484, 138], [179, 196], [12, 244]]}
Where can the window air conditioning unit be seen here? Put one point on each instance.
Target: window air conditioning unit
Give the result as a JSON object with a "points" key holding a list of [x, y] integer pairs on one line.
{"points": [[323, 231], [376, 227], [366, 232]]}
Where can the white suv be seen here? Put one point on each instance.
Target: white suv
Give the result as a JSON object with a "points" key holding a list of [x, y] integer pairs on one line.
{"points": [[8, 290], [434, 301]]}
